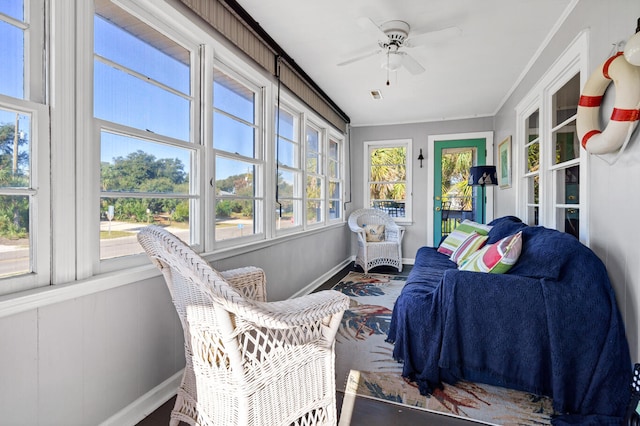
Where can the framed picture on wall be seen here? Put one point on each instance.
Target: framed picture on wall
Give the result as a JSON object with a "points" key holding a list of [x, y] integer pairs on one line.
{"points": [[504, 163]]}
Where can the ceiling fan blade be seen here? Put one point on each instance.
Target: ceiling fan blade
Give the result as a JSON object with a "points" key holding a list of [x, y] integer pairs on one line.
{"points": [[432, 36], [368, 25], [359, 58], [411, 64]]}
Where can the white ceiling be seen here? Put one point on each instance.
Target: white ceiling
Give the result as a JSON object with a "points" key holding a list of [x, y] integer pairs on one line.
{"points": [[468, 75]]}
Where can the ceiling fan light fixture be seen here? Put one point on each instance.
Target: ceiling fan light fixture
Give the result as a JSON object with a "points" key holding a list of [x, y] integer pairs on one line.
{"points": [[393, 61]]}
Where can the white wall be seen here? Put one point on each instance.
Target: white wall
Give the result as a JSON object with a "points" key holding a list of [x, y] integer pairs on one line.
{"points": [[614, 201], [417, 234], [84, 360]]}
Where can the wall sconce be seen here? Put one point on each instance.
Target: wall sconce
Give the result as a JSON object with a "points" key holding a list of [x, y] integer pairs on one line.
{"points": [[420, 157]]}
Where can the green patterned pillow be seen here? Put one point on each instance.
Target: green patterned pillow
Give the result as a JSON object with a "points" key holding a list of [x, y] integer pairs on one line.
{"points": [[495, 258], [469, 246], [462, 231]]}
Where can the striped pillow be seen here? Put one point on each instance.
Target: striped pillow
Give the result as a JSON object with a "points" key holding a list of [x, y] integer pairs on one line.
{"points": [[469, 246], [496, 258], [462, 231]]}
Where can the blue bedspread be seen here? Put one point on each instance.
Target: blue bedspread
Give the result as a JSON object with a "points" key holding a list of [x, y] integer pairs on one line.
{"points": [[551, 326]]}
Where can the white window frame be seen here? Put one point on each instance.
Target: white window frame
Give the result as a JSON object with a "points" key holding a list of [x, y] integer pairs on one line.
{"points": [[320, 174], [34, 105], [259, 161], [339, 179], [572, 61], [290, 106], [408, 144]]}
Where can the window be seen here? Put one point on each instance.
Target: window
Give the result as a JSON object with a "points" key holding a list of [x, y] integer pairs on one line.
{"points": [[142, 106], [289, 195], [24, 141], [565, 161], [239, 164], [334, 176], [315, 175], [158, 124], [551, 162], [387, 185], [532, 173]]}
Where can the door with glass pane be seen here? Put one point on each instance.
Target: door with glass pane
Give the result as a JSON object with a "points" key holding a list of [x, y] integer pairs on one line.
{"points": [[454, 199]]}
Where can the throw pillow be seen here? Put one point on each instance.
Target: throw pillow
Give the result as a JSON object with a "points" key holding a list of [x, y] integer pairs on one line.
{"points": [[469, 246], [462, 231], [374, 233], [496, 258]]}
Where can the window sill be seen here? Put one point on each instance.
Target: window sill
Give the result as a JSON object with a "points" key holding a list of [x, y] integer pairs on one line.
{"points": [[15, 303]]}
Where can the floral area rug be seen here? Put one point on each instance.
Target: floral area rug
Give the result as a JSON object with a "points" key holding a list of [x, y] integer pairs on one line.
{"points": [[365, 366]]}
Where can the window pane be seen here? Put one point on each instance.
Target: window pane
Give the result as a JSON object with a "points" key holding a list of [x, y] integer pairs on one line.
{"points": [[125, 99], [235, 218], [289, 218], [314, 212], [565, 101], [334, 210], [313, 151], [14, 8], [334, 159], [533, 157], [568, 185], [533, 216], [15, 253], [533, 122], [234, 177], [233, 136], [334, 190], [12, 60], [15, 149], [333, 150], [567, 143], [533, 190], [232, 97], [287, 184], [287, 153], [286, 124], [145, 53], [568, 220], [134, 165], [121, 218], [314, 187]]}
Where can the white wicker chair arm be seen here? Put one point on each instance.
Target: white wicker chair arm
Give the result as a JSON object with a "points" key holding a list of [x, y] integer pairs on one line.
{"points": [[356, 228], [250, 281], [296, 312]]}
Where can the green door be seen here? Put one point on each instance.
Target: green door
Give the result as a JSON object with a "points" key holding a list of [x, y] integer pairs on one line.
{"points": [[454, 200]]}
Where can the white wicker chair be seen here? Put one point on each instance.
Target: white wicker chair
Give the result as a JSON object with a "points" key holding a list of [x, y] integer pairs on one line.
{"points": [[248, 362], [371, 254]]}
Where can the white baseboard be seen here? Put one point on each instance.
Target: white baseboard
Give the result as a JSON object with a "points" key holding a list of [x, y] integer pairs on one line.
{"points": [[147, 403], [321, 280]]}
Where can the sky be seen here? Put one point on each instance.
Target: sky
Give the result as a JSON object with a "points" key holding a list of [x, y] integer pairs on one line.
{"points": [[124, 98]]}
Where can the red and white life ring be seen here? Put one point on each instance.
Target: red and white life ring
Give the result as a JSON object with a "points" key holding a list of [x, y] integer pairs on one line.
{"points": [[625, 115]]}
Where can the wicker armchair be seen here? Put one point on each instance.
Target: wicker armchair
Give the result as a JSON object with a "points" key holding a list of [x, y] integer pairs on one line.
{"points": [[248, 362], [386, 252]]}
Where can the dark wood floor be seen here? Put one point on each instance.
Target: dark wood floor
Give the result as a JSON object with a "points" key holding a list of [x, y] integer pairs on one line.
{"points": [[352, 411]]}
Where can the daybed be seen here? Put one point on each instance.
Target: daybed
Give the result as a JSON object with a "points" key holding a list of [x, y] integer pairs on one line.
{"points": [[550, 326]]}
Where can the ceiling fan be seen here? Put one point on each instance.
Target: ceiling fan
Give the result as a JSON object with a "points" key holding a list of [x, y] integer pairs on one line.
{"points": [[394, 37]]}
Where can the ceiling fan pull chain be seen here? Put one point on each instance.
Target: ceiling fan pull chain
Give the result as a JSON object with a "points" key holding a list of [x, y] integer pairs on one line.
{"points": [[388, 49]]}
